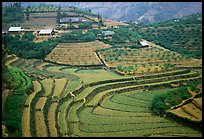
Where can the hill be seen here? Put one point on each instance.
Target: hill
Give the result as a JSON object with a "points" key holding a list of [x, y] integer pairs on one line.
{"points": [[147, 12], [183, 35]]}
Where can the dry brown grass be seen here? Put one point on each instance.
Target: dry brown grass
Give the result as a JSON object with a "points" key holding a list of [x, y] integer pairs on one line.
{"points": [[48, 85], [51, 120], [40, 124], [192, 110], [37, 88], [109, 23], [40, 104], [26, 123], [59, 86]]}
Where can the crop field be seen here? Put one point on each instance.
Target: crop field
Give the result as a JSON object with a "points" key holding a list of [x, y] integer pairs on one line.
{"points": [[117, 105], [41, 20], [99, 86], [191, 111], [76, 53], [110, 23], [145, 60]]}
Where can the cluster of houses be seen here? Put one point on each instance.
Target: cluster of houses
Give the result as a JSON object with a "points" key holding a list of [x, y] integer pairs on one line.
{"points": [[73, 20], [19, 30], [50, 32]]}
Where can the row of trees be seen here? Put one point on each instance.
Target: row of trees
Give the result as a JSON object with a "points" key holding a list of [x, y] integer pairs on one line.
{"points": [[12, 13], [183, 35], [26, 48], [77, 36]]}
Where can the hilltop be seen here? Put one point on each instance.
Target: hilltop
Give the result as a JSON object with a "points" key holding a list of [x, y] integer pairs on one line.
{"points": [[146, 12]]}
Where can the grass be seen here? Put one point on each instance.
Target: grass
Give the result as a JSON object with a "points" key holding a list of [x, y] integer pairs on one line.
{"points": [[72, 86], [123, 114], [41, 102], [37, 89], [26, 123], [59, 86], [51, 120], [26, 111], [20, 85], [48, 86], [105, 123], [40, 124], [62, 117], [88, 76]]}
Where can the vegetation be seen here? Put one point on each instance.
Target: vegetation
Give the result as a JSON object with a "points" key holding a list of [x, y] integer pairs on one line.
{"points": [[12, 13], [26, 48], [42, 8], [181, 35], [85, 25], [163, 102], [20, 84], [77, 36], [88, 84], [84, 12]]}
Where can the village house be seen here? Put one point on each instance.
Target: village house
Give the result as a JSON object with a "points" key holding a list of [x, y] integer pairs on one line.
{"points": [[68, 19], [46, 32], [144, 43], [108, 33], [16, 30]]}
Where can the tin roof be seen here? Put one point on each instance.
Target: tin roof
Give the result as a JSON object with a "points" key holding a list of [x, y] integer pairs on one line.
{"points": [[108, 32], [73, 19], [16, 29], [45, 31], [144, 43]]}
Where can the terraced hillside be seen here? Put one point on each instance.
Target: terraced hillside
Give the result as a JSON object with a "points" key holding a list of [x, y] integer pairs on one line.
{"points": [[76, 53], [62, 104], [183, 35], [190, 109], [145, 60]]}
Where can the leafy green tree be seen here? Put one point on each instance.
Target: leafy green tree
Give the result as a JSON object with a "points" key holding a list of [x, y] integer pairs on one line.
{"points": [[28, 36], [27, 14], [85, 25]]}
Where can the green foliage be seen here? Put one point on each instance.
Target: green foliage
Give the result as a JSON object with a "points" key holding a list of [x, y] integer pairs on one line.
{"points": [[28, 49], [28, 36], [14, 103], [95, 31], [182, 35], [78, 36], [12, 13], [42, 8], [123, 34], [163, 102], [85, 25]]}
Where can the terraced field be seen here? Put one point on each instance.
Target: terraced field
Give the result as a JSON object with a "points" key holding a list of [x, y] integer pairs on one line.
{"points": [[145, 60], [106, 106], [76, 53]]}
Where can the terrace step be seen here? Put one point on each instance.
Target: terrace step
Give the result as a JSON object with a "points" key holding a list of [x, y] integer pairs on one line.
{"points": [[52, 120]]}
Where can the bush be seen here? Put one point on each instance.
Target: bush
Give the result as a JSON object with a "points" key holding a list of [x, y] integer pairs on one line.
{"points": [[85, 25], [163, 102], [14, 101], [78, 36]]}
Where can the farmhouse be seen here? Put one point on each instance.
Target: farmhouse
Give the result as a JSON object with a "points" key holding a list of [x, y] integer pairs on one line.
{"points": [[108, 33], [46, 32], [15, 30], [144, 43], [73, 19]]}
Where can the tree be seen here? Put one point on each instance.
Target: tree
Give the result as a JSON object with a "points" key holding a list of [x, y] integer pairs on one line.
{"points": [[85, 25], [59, 16], [27, 14]]}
